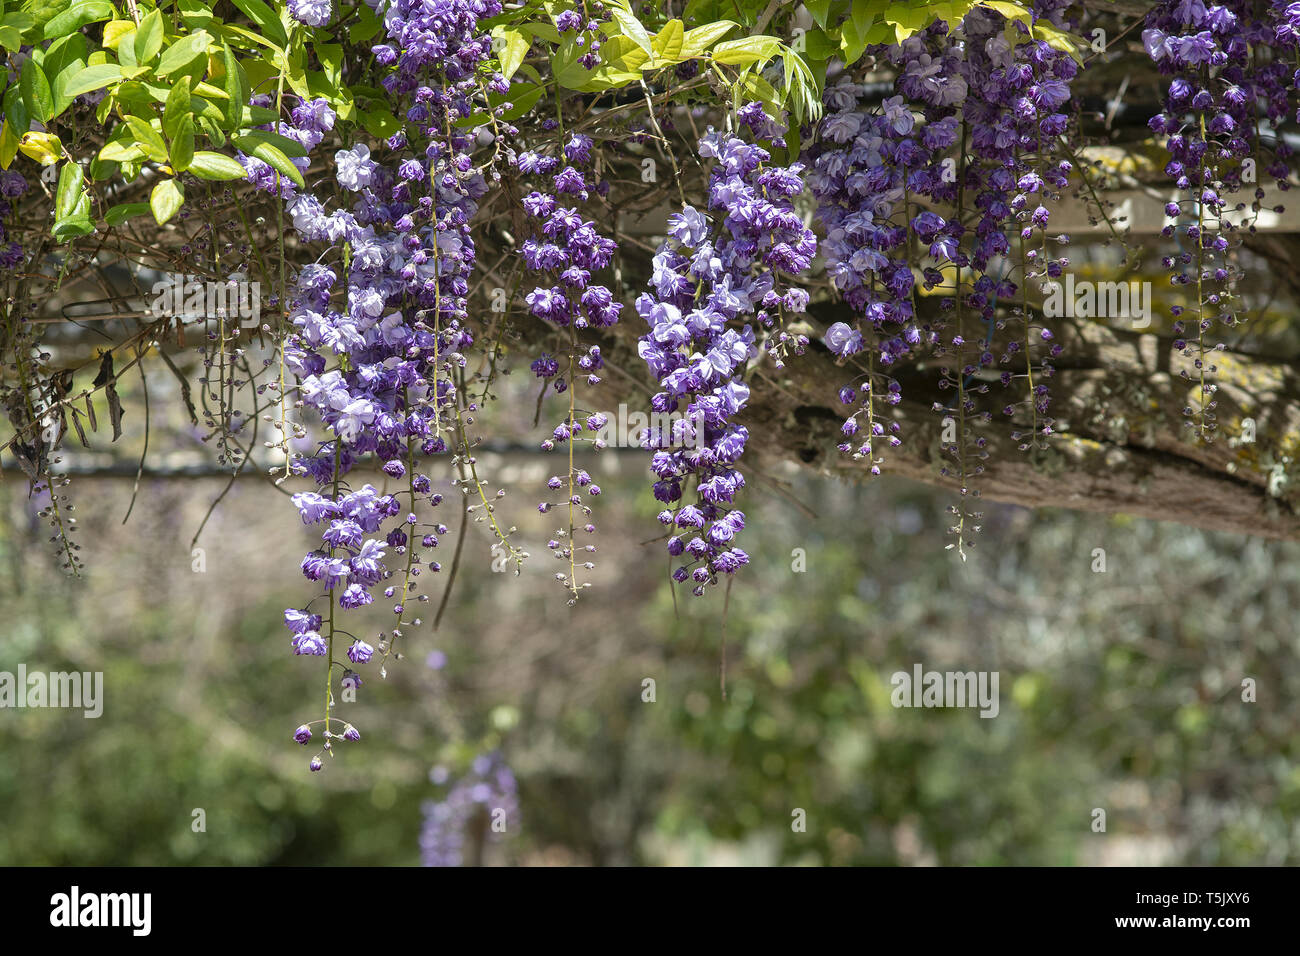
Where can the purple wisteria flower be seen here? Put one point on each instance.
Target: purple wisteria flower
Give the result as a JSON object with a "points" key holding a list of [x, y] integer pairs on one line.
{"points": [[314, 13], [13, 185], [565, 253], [376, 336], [355, 169], [713, 278]]}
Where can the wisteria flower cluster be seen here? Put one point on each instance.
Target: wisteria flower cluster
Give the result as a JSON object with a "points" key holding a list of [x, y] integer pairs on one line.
{"points": [[13, 185], [566, 252], [871, 170], [1211, 123], [1016, 109], [379, 369], [721, 272], [974, 125], [934, 160]]}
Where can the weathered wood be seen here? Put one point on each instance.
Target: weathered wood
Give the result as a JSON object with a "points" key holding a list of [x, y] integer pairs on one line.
{"points": [[1121, 447]]}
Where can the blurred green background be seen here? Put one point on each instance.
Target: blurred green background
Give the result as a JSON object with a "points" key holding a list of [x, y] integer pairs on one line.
{"points": [[1120, 690]]}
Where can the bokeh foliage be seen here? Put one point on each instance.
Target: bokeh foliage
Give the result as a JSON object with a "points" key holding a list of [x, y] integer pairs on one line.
{"points": [[1119, 690]]}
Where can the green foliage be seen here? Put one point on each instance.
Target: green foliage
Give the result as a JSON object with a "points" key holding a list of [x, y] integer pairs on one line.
{"points": [[174, 85], [1108, 698], [72, 204], [177, 84]]}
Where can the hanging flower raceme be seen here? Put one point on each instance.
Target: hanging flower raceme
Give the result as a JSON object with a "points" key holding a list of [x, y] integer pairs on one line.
{"points": [[715, 276], [872, 169], [1019, 93], [566, 252], [970, 134], [13, 185], [380, 335], [1211, 124]]}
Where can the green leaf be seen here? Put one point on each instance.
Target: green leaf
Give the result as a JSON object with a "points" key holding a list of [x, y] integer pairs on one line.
{"points": [[227, 30], [321, 86], [756, 49], [115, 32], [195, 14], [862, 16], [76, 17], [149, 38], [819, 9], [233, 86], [284, 144], [380, 123], [697, 41], [756, 88], [71, 204], [819, 46], [801, 87], [668, 43], [16, 111], [11, 38], [93, 78], [8, 145], [45, 148], [126, 49], [71, 49], [212, 131], [69, 190], [630, 25], [514, 44], [264, 17], [296, 74], [74, 226], [620, 53], [258, 73], [257, 115], [176, 106], [210, 165], [147, 139], [166, 200], [330, 57], [184, 52], [59, 87], [793, 145], [906, 21], [121, 151], [522, 100], [123, 211], [36, 91], [19, 21], [367, 26], [853, 42], [270, 155], [182, 149], [1012, 11], [704, 11], [544, 31]]}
